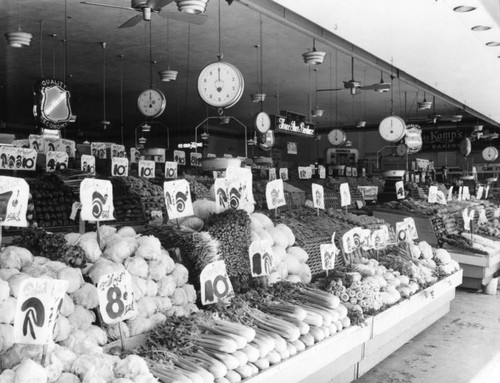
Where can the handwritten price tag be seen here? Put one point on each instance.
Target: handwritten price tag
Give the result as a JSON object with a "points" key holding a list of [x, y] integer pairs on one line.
{"points": [[468, 216], [147, 168], [12, 158], [400, 190], [195, 159], [318, 196], [215, 284], [117, 150], [178, 199], [37, 142], [56, 161], [345, 194], [450, 194], [87, 164], [328, 254], [272, 174], [284, 174], [119, 166], [305, 172], [37, 309], [261, 258], [14, 194], [275, 195], [116, 298], [322, 171], [432, 198], [96, 197], [351, 240], [180, 157], [412, 228], [170, 170]]}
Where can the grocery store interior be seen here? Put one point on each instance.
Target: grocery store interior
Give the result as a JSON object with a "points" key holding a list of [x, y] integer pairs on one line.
{"points": [[203, 191]]}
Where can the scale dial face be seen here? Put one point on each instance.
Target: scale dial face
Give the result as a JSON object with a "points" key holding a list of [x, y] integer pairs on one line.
{"points": [[151, 102], [392, 128], [402, 150], [220, 84], [262, 122], [337, 137], [490, 153], [465, 147]]}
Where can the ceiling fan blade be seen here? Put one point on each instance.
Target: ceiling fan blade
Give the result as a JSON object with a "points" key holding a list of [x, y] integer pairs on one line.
{"points": [[378, 86], [106, 5], [329, 90], [131, 22], [158, 4], [185, 17]]}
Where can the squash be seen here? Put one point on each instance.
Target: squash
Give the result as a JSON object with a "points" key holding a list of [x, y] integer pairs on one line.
{"points": [[263, 219], [288, 232], [279, 237], [293, 265], [299, 253]]}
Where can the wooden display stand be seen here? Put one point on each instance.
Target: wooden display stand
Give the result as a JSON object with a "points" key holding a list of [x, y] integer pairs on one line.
{"points": [[478, 269]]}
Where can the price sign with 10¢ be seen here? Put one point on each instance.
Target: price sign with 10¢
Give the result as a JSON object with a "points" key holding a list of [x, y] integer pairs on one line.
{"points": [[215, 284], [116, 297], [119, 166], [87, 164], [170, 170], [147, 168]]}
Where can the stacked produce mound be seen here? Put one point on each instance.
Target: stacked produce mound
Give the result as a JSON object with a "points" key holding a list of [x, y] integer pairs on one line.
{"points": [[198, 188]]}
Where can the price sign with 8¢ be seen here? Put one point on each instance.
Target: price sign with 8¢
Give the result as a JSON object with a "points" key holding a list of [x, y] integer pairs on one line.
{"points": [[116, 298]]}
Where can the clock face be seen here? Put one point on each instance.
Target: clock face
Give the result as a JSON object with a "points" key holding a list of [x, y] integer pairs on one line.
{"points": [[465, 147], [151, 103], [262, 122], [490, 153], [337, 137], [402, 150], [392, 128], [220, 84]]}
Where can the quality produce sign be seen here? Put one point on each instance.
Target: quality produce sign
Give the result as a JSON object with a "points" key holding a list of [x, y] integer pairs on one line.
{"points": [[14, 194], [96, 197], [37, 308], [12, 158], [116, 297], [178, 199]]}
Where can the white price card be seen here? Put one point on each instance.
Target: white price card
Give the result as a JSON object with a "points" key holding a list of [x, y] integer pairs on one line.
{"points": [[284, 174], [412, 228], [211, 155], [119, 166], [195, 159], [37, 308], [14, 195], [147, 168], [96, 197], [56, 161], [354, 172], [22, 143], [348, 171], [261, 258], [351, 240], [117, 150], [400, 190], [240, 189], [345, 194], [328, 254], [322, 171], [482, 220], [468, 216], [116, 297], [180, 157], [305, 172], [98, 149], [460, 193], [12, 158], [178, 199], [486, 191], [219, 174], [441, 198], [170, 170], [432, 198], [135, 155], [275, 195], [466, 194], [450, 194], [49, 144], [87, 164], [479, 193], [402, 232], [37, 142], [272, 174], [66, 146], [318, 196], [215, 284], [379, 239]]}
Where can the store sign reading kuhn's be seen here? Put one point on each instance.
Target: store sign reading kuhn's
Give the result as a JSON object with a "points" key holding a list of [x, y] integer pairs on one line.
{"points": [[52, 107]]}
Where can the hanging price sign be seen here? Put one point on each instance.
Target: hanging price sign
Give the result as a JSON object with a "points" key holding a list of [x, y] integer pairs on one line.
{"points": [[37, 142], [12, 158], [305, 172], [479, 193], [56, 161], [272, 174], [275, 195], [345, 194], [87, 164], [195, 159], [116, 297], [96, 197], [98, 149], [119, 166], [178, 199], [432, 198], [318, 196], [412, 228], [215, 284], [180, 157], [284, 174], [322, 171], [170, 170], [14, 194], [400, 190], [147, 168], [261, 258], [117, 150], [351, 240], [37, 308]]}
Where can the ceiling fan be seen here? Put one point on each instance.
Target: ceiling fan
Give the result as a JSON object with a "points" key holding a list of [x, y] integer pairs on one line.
{"points": [[149, 7], [355, 86]]}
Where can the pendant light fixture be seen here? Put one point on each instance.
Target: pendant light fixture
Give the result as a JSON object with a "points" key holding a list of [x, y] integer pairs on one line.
{"points": [[192, 6], [260, 96], [424, 104], [18, 39], [314, 57], [105, 123], [316, 112], [168, 74]]}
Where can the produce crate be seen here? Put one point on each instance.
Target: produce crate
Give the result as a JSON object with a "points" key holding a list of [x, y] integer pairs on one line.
{"points": [[312, 248], [369, 193], [478, 269]]}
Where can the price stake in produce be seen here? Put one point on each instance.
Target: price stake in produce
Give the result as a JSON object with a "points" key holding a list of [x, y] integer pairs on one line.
{"points": [[195, 159], [135, 155], [275, 195], [468, 217], [178, 199], [87, 164], [98, 149], [351, 240], [466, 195], [432, 198], [345, 195], [116, 297], [170, 170], [119, 166], [56, 161], [305, 172], [147, 168], [12, 158], [318, 197], [215, 284], [486, 191], [261, 258], [328, 254], [14, 195], [37, 142], [400, 190], [322, 171], [450, 194], [402, 232], [96, 197], [379, 239], [272, 174], [284, 174], [412, 228], [37, 308], [460, 193], [180, 157], [479, 193]]}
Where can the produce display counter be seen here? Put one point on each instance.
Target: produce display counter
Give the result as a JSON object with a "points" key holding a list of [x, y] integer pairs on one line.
{"points": [[351, 353], [478, 269], [422, 223]]}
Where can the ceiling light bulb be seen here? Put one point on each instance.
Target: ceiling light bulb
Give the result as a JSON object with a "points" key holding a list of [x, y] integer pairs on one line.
{"points": [[464, 8]]}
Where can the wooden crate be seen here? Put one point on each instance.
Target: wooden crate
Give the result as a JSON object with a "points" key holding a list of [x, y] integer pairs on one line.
{"points": [[478, 269]]}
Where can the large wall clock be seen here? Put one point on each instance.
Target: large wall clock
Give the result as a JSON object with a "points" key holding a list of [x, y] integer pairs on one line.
{"points": [[220, 84]]}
